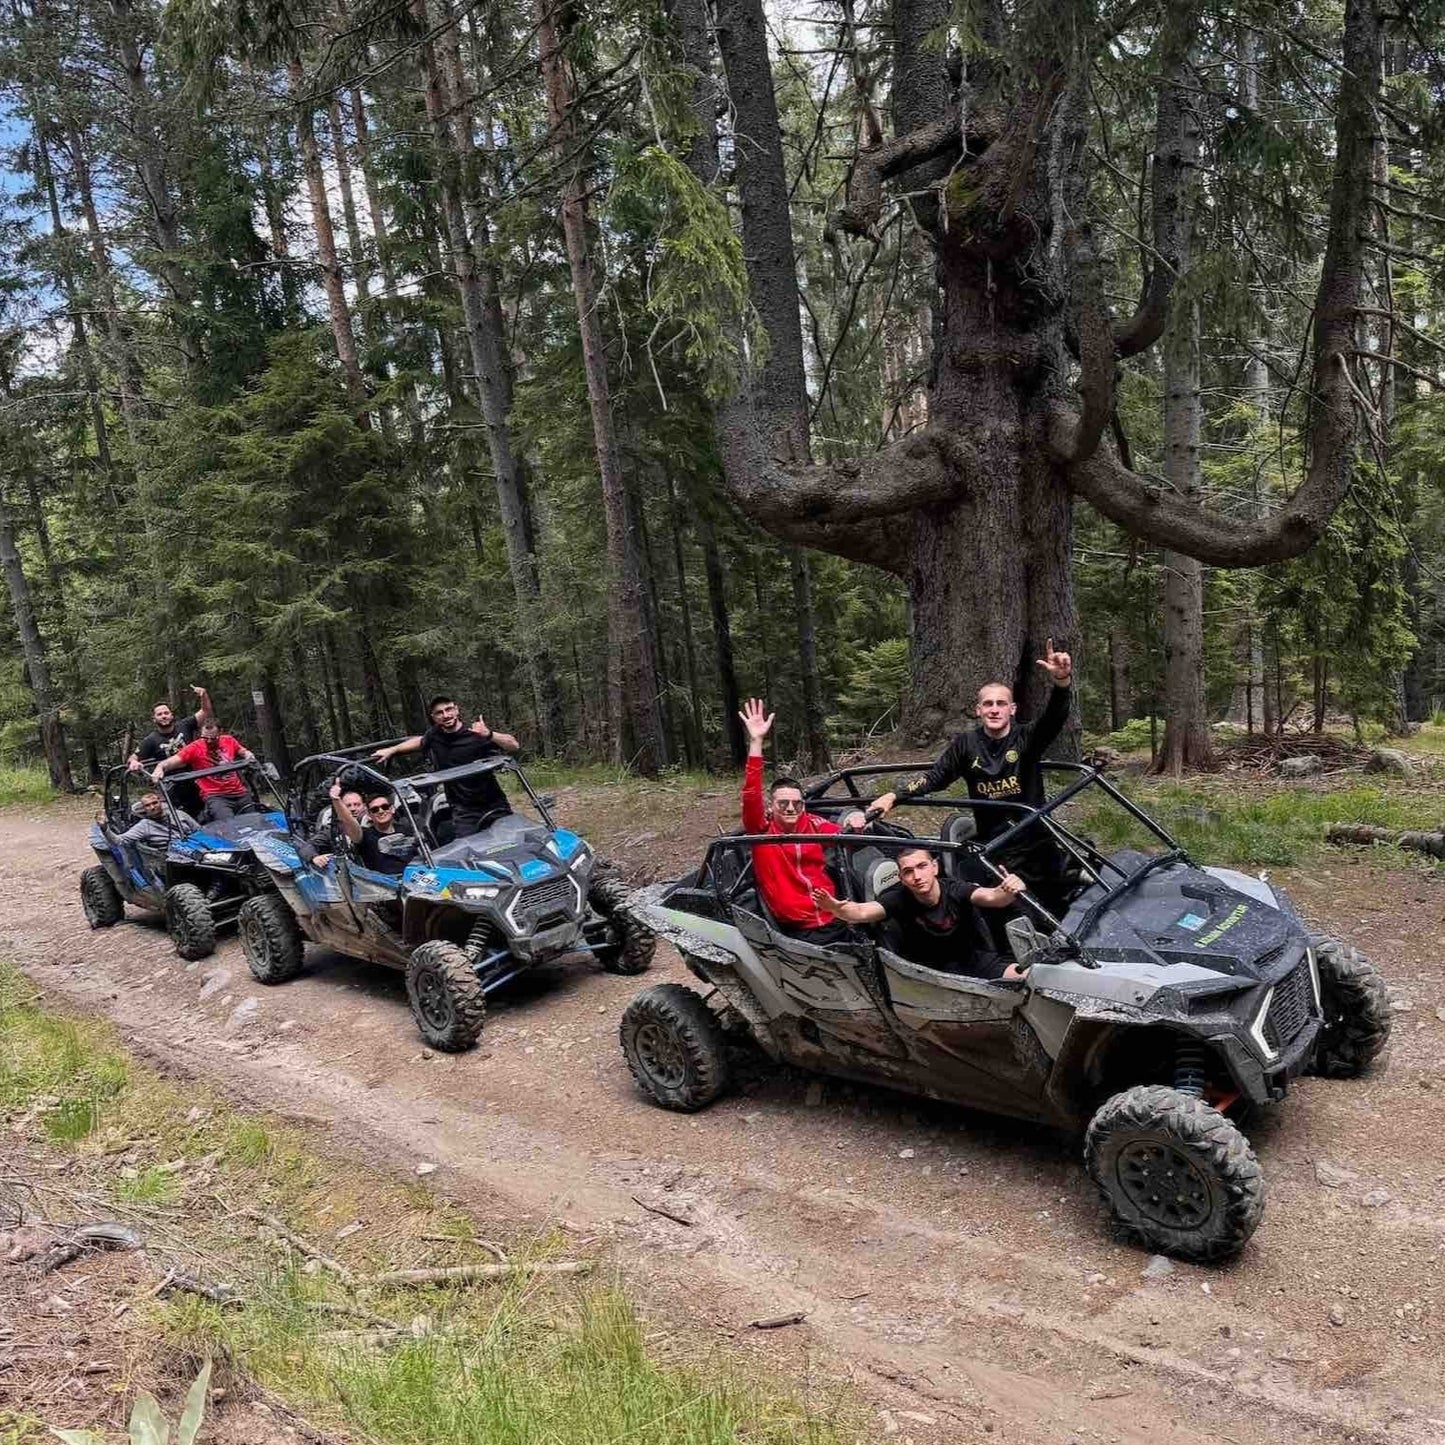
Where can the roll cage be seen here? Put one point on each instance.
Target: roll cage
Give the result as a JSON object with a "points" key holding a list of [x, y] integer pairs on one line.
{"points": [[123, 784], [1097, 869], [313, 776]]}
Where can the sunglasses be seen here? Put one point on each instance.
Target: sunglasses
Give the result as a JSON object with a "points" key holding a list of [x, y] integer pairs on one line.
{"points": [[378, 808], [788, 805]]}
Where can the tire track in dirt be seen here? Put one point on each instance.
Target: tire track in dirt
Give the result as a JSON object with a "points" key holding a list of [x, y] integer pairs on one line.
{"points": [[955, 1266]]}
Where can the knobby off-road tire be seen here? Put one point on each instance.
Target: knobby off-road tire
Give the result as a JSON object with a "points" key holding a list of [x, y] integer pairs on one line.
{"points": [[1356, 1004], [189, 921], [100, 898], [1177, 1176], [674, 1047], [446, 996], [270, 938], [633, 954]]}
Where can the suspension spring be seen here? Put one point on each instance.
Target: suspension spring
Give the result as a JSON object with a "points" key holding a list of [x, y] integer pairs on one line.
{"points": [[1189, 1074], [479, 939]]}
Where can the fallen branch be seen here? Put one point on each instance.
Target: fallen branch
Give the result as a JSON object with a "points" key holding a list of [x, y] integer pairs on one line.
{"points": [[295, 1240], [664, 1211], [776, 1322], [495, 1250], [177, 1282], [1432, 844], [473, 1273]]}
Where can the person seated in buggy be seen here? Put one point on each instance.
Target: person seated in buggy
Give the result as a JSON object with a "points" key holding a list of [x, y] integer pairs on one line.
{"points": [[930, 918], [320, 846], [223, 794], [788, 875], [383, 847], [153, 828]]}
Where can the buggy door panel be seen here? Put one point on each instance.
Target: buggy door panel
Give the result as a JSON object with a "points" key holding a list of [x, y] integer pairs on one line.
{"points": [[970, 1020], [838, 992]]}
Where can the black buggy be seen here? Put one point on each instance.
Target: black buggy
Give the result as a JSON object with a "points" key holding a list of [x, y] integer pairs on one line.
{"points": [[196, 881], [463, 918], [1169, 1000]]}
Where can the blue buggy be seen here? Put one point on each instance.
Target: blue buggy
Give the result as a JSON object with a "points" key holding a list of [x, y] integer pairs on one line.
{"points": [[463, 917], [196, 880]]}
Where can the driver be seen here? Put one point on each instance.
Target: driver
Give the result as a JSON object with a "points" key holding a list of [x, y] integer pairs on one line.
{"points": [[323, 832], [224, 794], [154, 826], [449, 743], [789, 874], [934, 916], [1000, 760], [367, 842]]}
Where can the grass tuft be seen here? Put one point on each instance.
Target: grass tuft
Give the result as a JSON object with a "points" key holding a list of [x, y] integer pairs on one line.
{"points": [[24, 787]]}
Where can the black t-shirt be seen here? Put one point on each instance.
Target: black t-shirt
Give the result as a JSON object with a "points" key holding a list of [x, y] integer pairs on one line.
{"points": [[157, 745], [945, 936], [369, 852], [481, 794]]}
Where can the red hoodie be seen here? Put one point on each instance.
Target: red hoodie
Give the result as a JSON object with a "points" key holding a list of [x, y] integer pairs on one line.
{"points": [[786, 871]]}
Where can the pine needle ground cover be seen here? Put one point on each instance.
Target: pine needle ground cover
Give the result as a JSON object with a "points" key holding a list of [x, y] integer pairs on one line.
{"points": [[284, 1237]]}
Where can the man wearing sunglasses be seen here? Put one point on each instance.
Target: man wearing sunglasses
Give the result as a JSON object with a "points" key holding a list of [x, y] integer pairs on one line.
{"points": [[367, 843], [788, 873]]}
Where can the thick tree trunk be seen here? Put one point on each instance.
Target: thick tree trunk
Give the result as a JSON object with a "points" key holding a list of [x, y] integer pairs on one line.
{"points": [[271, 723], [345, 732], [489, 359], [373, 688], [722, 634], [305, 705], [273, 202], [337, 306], [632, 693], [1121, 699], [692, 733], [32, 650], [1187, 742], [814, 726]]}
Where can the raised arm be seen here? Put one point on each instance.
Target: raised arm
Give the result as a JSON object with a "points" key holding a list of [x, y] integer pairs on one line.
{"points": [[758, 723], [406, 745], [343, 817], [1049, 723], [505, 741], [203, 700]]}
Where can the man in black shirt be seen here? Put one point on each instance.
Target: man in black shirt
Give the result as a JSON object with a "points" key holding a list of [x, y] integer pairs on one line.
{"points": [[171, 733], [999, 760], [367, 843], [449, 743], [933, 916]]}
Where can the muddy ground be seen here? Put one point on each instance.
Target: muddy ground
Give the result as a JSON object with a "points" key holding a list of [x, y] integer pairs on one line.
{"points": [[955, 1267]]}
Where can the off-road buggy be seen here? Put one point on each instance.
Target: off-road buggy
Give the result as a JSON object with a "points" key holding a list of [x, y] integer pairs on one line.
{"points": [[1169, 1000], [466, 916], [196, 881]]}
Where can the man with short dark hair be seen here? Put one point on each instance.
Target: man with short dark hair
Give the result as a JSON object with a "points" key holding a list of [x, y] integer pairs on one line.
{"points": [[153, 825], [317, 849], [171, 734], [223, 794], [787, 873], [933, 915], [1000, 761], [449, 743], [367, 843]]}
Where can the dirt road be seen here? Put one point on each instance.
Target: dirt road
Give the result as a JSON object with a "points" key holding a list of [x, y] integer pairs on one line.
{"points": [[955, 1267]]}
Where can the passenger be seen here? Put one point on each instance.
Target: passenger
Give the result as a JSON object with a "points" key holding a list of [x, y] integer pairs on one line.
{"points": [[224, 794], [323, 833], [934, 916], [1000, 761], [171, 734], [154, 826], [449, 743], [788, 874], [367, 841]]}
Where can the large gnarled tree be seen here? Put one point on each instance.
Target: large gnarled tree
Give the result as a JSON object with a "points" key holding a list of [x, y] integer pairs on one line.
{"points": [[974, 512]]}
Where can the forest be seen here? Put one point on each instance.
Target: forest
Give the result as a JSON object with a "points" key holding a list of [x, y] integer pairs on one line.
{"points": [[605, 362]]}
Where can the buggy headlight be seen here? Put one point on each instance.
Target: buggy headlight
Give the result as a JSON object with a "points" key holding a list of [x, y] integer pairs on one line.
{"points": [[479, 893], [581, 861], [217, 857]]}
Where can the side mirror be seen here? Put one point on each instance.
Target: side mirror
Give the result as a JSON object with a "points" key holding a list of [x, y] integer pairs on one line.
{"points": [[1025, 940]]}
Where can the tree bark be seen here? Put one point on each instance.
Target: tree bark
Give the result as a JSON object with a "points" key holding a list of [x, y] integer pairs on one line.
{"points": [[815, 730], [1121, 702], [632, 694], [342, 332], [722, 633], [345, 732], [487, 345], [32, 650], [305, 703], [692, 732]]}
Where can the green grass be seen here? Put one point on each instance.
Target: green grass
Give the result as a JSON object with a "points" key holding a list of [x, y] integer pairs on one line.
{"points": [[25, 786], [531, 1361], [1260, 827]]}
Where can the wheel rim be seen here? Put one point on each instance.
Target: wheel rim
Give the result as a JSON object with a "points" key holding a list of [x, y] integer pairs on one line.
{"points": [[255, 941], [659, 1050], [433, 1001], [1164, 1184]]}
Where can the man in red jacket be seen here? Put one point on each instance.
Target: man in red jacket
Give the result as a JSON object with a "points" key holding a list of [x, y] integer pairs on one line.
{"points": [[787, 873]]}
